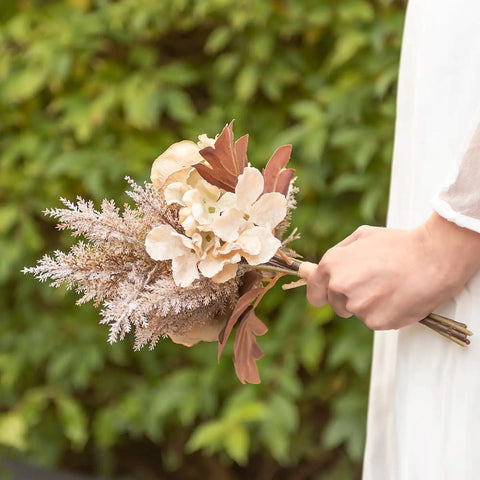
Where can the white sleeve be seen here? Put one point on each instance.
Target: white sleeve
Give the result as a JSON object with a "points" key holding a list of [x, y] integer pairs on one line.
{"points": [[459, 202]]}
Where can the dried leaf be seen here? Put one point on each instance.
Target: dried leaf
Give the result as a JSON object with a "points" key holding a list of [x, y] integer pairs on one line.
{"points": [[246, 348], [226, 160], [277, 178], [244, 302]]}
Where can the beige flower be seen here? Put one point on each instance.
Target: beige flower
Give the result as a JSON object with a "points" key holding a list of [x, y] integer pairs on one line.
{"points": [[189, 255], [247, 223], [201, 202], [220, 227], [164, 243], [179, 156]]}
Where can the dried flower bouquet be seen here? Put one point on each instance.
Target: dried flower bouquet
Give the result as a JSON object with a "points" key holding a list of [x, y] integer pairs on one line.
{"points": [[195, 256]]}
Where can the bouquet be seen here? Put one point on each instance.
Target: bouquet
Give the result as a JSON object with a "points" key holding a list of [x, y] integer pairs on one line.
{"points": [[206, 240]]}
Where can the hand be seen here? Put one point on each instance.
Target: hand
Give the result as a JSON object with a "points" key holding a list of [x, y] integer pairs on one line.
{"points": [[391, 278]]}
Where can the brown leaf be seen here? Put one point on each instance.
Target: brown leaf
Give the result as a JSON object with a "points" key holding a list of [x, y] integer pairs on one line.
{"points": [[246, 348], [226, 160], [244, 302], [277, 178]]}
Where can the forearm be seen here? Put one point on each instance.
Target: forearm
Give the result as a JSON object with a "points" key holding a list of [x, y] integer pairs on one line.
{"points": [[456, 250]]}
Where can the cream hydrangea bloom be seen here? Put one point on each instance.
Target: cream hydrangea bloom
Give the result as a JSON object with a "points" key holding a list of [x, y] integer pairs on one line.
{"points": [[201, 202], [178, 157], [164, 243], [247, 224], [220, 227], [189, 255]]}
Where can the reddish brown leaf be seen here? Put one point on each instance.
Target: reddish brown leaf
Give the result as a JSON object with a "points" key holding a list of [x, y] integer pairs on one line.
{"points": [[241, 153], [226, 160], [244, 302], [283, 180], [277, 178], [246, 348], [210, 176]]}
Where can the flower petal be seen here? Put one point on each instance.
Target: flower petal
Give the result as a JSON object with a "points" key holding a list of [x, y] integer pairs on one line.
{"points": [[229, 271], [199, 183], [249, 188], [176, 157], [269, 210], [174, 193], [226, 201], [207, 332], [212, 264], [269, 245], [164, 243], [184, 269], [250, 241], [205, 141], [227, 225]]}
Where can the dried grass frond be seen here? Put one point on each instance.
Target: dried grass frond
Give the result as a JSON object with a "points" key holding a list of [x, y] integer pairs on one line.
{"points": [[111, 267]]}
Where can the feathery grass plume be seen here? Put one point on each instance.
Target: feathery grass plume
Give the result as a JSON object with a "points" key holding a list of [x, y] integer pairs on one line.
{"points": [[113, 268]]}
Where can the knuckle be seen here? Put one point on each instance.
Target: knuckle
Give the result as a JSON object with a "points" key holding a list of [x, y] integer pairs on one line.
{"points": [[374, 322], [327, 258], [336, 287], [363, 229], [356, 307]]}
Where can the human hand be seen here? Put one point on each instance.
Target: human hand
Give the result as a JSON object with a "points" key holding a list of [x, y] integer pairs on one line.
{"points": [[391, 278]]}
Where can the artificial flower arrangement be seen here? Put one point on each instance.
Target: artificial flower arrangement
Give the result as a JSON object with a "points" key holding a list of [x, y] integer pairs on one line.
{"points": [[205, 241]]}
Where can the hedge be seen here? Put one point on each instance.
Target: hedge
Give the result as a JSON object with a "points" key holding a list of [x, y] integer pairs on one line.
{"points": [[93, 90]]}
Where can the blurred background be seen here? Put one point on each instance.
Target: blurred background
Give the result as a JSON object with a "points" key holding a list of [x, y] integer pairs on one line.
{"points": [[93, 90]]}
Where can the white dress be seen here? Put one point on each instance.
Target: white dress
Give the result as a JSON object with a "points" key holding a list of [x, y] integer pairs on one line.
{"points": [[424, 407]]}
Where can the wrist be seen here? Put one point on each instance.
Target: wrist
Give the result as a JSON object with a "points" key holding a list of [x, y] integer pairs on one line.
{"points": [[454, 250]]}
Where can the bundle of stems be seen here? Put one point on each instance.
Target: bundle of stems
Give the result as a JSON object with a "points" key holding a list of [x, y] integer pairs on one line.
{"points": [[455, 331]]}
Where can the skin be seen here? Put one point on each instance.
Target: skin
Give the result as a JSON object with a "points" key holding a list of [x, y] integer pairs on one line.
{"points": [[391, 278]]}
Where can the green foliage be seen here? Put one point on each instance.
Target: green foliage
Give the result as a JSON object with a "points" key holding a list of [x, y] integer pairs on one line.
{"points": [[93, 90]]}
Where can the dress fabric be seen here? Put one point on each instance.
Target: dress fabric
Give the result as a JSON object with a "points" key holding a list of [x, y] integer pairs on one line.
{"points": [[424, 406]]}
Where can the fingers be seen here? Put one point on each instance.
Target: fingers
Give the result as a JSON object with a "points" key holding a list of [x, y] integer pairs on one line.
{"points": [[338, 302], [317, 284], [321, 291], [319, 288]]}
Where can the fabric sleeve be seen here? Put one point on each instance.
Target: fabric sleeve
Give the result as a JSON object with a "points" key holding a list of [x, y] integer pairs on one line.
{"points": [[459, 202]]}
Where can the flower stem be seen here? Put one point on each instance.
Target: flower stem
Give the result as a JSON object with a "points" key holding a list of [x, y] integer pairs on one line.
{"points": [[455, 331]]}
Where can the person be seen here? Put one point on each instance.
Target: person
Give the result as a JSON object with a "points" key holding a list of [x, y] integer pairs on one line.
{"points": [[423, 420]]}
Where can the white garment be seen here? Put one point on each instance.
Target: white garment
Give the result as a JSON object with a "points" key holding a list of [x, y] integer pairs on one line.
{"points": [[424, 408]]}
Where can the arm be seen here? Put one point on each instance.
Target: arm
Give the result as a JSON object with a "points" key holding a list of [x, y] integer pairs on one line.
{"points": [[391, 278]]}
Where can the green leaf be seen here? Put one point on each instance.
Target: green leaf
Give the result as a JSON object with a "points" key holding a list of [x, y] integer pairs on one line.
{"points": [[209, 435], [237, 443], [13, 430], [218, 40], [247, 81], [312, 344], [73, 419]]}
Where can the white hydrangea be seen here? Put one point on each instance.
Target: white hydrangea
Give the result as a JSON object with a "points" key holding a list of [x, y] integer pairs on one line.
{"points": [[220, 227]]}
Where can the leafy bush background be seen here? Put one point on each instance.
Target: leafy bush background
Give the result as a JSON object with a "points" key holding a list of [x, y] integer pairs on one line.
{"points": [[93, 90]]}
